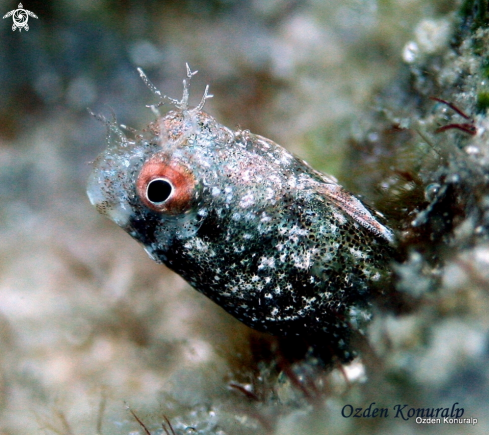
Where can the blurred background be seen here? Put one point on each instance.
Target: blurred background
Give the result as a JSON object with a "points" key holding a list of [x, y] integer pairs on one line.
{"points": [[87, 321]]}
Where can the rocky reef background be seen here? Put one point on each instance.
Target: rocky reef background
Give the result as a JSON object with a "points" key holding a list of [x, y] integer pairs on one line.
{"points": [[89, 325]]}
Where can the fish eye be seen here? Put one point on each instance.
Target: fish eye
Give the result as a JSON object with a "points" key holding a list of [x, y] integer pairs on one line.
{"points": [[159, 190], [166, 186]]}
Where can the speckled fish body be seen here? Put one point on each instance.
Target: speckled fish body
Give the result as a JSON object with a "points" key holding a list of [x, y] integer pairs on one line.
{"points": [[280, 246]]}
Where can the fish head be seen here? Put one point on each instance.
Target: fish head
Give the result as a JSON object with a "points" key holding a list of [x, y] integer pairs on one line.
{"points": [[160, 186]]}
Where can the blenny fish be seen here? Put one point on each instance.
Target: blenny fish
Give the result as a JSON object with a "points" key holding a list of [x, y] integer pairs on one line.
{"points": [[282, 247]]}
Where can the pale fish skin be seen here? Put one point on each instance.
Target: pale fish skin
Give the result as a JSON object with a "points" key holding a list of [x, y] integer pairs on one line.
{"points": [[282, 247]]}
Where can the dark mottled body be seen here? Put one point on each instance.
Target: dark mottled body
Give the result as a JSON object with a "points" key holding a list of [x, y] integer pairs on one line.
{"points": [[277, 244]]}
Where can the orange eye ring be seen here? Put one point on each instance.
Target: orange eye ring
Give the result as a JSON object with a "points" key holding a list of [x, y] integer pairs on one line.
{"points": [[166, 187]]}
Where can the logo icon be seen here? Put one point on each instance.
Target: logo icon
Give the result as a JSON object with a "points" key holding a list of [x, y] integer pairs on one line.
{"points": [[20, 17]]}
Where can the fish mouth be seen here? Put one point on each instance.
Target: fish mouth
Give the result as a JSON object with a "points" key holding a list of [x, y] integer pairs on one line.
{"points": [[107, 196]]}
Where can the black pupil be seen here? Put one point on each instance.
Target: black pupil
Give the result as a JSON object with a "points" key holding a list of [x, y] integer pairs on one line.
{"points": [[159, 190]]}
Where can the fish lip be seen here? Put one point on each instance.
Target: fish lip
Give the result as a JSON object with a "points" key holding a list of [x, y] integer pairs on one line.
{"points": [[102, 194]]}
